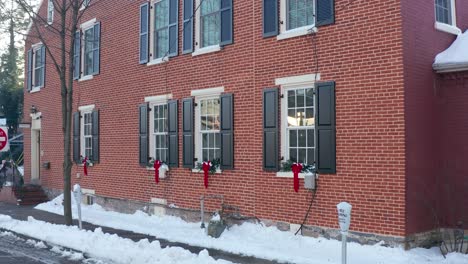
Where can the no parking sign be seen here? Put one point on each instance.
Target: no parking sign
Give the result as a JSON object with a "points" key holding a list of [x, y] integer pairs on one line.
{"points": [[4, 146]]}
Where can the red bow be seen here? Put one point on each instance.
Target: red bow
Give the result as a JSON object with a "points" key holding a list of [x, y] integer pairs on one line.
{"points": [[85, 166], [296, 168], [206, 166], [156, 166]]}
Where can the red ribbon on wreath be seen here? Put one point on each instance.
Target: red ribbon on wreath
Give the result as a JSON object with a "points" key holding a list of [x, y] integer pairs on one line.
{"points": [[206, 166], [157, 164], [296, 168], [85, 166]]}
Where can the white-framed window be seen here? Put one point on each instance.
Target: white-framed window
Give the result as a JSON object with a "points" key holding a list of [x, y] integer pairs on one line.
{"points": [[445, 12], [86, 133], [50, 12], [90, 48], [208, 25], [160, 29], [85, 4], [158, 127], [207, 124], [296, 16], [38, 66]]}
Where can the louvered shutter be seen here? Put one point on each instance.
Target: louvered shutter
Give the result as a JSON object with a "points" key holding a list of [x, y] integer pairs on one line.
{"points": [[227, 132], [143, 135], [97, 48], [226, 22], [144, 30], [188, 27], [325, 12], [29, 70], [173, 27], [173, 133], [76, 137], [270, 129], [325, 125], [270, 18], [187, 133], [95, 136], [77, 56]]}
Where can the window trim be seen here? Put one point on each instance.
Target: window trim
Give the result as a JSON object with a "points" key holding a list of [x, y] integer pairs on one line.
{"points": [[153, 101], [35, 48], [152, 60], [84, 27], [86, 109], [202, 94], [288, 83], [285, 33], [50, 12], [445, 27], [198, 50]]}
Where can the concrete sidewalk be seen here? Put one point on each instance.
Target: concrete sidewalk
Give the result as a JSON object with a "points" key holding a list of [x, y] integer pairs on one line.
{"points": [[22, 213]]}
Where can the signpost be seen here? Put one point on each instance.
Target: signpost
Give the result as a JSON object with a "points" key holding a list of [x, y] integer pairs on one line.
{"points": [[344, 219], [4, 145], [77, 190]]}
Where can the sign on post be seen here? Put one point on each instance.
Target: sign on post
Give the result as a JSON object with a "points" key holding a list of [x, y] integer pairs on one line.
{"points": [[77, 190], [4, 145], [344, 219]]}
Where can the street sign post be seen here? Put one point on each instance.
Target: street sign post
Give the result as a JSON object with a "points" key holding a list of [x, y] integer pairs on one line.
{"points": [[77, 190], [344, 219], [4, 145]]}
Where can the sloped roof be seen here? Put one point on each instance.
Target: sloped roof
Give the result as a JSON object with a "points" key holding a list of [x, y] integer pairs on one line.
{"points": [[455, 58]]}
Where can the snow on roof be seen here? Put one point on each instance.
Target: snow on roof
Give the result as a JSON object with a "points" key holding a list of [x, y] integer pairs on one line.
{"points": [[455, 58]]}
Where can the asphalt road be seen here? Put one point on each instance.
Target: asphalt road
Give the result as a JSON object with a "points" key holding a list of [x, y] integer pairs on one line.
{"points": [[15, 250]]}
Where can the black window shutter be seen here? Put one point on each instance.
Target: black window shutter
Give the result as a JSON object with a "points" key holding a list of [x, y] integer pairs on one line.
{"points": [[188, 130], [325, 151], [43, 64], [227, 130], [270, 129], [77, 56], [173, 27], [95, 136], [97, 50], [144, 30], [30, 66], [270, 18], [325, 12], [188, 27], [143, 134], [173, 133], [226, 22], [76, 137]]}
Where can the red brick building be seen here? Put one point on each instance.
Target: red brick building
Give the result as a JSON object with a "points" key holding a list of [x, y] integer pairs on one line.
{"points": [[345, 85]]}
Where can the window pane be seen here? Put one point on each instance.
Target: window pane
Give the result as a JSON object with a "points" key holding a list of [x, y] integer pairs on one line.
{"points": [[205, 155], [309, 117], [211, 139], [302, 138], [292, 121], [300, 13], [300, 97], [293, 154], [309, 97], [217, 140], [310, 156], [300, 116], [211, 154], [162, 43], [310, 138], [204, 140], [302, 156], [203, 122], [217, 154], [203, 107], [293, 138], [291, 99], [210, 22], [163, 141]]}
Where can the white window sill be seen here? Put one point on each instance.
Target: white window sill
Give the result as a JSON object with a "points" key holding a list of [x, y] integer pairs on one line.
{"points": [[85, 78], [447, 28], [157, 61], [35, 90], [218, 171], [297, 32], [289, 174], [89, 165], [206, 50]]}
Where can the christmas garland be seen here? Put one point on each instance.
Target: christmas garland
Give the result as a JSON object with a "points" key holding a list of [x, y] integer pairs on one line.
{"points": [[215, 164], [287, 166]]}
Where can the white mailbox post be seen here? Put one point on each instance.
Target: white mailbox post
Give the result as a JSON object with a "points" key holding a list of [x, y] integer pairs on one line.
{"points": [[77, 190], [344, 219]]}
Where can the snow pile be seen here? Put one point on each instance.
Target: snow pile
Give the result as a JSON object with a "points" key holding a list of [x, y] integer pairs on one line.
{"points": [[255, 240], [36, 244], [104, 246], [456, 56]]}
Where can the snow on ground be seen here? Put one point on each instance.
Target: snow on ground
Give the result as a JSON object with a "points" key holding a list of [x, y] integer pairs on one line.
{"points": [[256, 240], [104, 246]]}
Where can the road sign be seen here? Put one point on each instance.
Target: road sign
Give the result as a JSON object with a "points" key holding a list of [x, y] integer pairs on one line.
{"points": [[4, 146]]}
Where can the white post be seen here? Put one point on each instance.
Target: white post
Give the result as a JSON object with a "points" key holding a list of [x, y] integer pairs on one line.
{"points": [[344, 219], [77, 190]]}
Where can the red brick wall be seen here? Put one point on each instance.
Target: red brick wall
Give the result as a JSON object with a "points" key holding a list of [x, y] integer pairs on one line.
{"points": [[362, 52], [423, 116]]}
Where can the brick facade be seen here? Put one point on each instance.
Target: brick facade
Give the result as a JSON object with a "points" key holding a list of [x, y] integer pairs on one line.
{"points": [[367, 52]]}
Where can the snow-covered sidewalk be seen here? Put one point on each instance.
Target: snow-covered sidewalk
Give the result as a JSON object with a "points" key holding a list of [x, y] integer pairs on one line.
{"points": [[256, 240], [103, 246]]}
